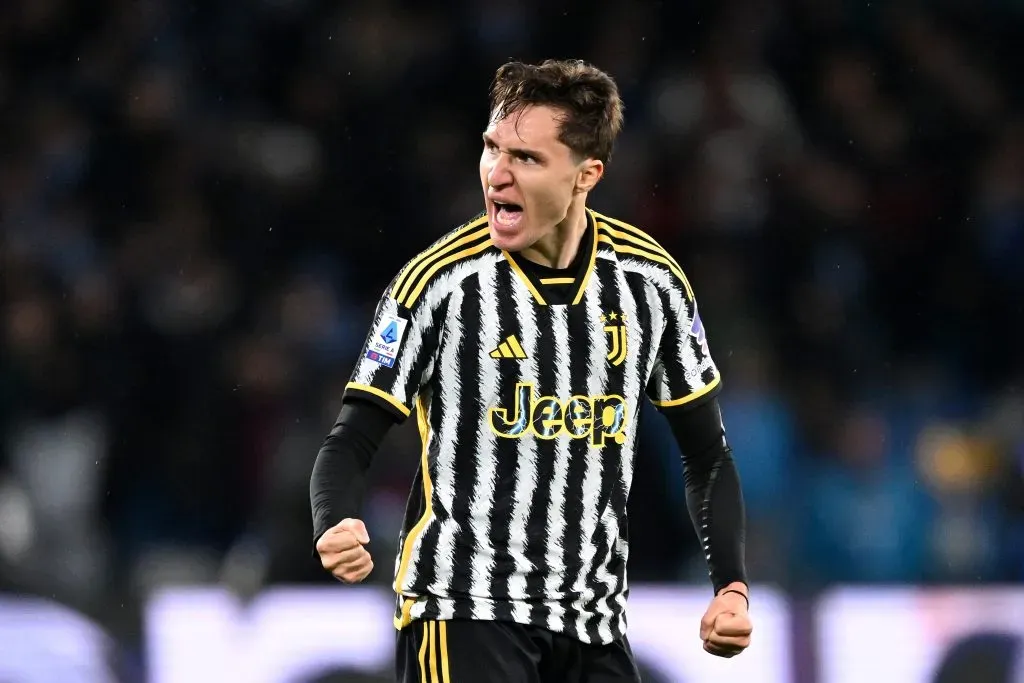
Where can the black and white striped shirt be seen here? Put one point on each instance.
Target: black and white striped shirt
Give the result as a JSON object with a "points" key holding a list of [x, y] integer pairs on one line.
{"points": [[527, 391]]}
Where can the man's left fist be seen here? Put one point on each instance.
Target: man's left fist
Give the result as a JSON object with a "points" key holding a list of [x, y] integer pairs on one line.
{"points": [[725, 628]]}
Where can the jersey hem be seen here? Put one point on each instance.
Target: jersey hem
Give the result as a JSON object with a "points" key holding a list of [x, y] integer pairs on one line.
{"points": [[441, 609]]}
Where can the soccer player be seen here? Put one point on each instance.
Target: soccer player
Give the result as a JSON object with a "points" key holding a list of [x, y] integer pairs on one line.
{"points": [[524, 341]]}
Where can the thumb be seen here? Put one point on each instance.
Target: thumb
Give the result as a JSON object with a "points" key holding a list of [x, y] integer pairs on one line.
{"points": [[356, 528], [707, 624]]}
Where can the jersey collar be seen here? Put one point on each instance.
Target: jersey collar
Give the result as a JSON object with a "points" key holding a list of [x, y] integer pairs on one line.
{"points": [[588, 247]]}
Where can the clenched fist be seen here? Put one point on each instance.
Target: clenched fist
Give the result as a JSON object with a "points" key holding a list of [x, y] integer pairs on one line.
{"points": [[342, 553], [725, 628]]}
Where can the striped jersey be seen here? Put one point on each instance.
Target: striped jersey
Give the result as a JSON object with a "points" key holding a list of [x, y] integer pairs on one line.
{"points": [[527, 392]]}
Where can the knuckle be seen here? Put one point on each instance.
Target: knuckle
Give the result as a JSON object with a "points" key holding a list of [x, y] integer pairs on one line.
{"points": [[352, 572]]}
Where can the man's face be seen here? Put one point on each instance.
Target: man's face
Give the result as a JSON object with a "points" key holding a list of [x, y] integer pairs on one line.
{"points": [[529, 177]]}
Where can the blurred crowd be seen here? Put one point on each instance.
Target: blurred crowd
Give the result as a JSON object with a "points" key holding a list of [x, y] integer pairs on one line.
{"points": [[202, 202]]}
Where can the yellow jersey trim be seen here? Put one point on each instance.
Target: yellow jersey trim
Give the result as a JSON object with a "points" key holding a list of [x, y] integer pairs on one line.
{"points": [[458, 256], [524, 278], [581, 282], [406, 617], [417, 529], [380, 394], [628, 233], [637, 232], [671, 403], [414, 270], [591, 264]]}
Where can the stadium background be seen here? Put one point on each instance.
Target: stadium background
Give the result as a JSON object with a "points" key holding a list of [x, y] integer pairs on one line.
{"points": [[202, 201]]}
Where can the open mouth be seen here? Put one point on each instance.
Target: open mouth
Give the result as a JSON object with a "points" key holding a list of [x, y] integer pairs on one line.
{"points": [[507, 214]]}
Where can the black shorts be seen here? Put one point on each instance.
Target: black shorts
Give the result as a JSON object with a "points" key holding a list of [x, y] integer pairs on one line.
{"points": [[462, 651]]}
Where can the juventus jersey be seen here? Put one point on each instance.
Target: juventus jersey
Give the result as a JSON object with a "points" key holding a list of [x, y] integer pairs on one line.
{"points": [[527, 407]]}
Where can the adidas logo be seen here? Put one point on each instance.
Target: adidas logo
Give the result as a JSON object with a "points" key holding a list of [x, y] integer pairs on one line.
{"points": [[509, 348]]}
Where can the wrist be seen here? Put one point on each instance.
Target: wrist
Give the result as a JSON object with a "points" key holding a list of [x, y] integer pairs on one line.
{"points": [[738, 588]]}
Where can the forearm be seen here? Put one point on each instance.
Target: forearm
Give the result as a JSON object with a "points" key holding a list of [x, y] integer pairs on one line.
{"points": [[715, 503], [714, 498], [338, 482]]}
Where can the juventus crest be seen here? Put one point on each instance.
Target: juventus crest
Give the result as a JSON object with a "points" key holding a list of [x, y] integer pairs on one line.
{"points": [[615, 328]]}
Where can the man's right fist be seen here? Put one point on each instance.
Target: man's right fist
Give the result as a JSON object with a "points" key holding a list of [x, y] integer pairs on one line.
{"points": [[342, 552]]}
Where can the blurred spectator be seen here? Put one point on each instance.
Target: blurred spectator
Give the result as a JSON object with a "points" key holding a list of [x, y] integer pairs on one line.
{"points": [[864, 513]]}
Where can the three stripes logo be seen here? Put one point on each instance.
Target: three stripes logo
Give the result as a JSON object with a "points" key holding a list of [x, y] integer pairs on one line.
{"points": [[510, 348], [615, 328]]}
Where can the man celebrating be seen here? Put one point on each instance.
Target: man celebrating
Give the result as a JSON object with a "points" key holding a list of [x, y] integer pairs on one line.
{"points": [[525, 341]]}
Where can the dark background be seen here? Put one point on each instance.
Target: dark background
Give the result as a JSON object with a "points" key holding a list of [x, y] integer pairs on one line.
{"points": [[202, 202]]}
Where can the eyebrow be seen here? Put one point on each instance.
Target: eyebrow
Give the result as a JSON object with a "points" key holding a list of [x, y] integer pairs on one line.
{"points": [[515, 151]]}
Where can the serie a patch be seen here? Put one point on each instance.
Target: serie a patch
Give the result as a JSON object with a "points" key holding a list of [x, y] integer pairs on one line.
{"points": [[697, 331], [386, 341]]}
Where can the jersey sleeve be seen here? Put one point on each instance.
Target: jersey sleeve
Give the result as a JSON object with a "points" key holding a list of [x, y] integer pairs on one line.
{"points": [[397, 357], [684, 373]]}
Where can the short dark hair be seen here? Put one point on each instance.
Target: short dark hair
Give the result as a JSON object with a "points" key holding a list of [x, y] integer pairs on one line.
{"points": [[588, 97]]}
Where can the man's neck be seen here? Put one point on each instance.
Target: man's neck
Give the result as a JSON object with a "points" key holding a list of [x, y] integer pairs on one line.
{"points": [[559, 247]]}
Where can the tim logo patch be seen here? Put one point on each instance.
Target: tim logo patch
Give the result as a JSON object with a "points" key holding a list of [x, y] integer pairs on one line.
{"points": [[697, 331], [386, 341]]}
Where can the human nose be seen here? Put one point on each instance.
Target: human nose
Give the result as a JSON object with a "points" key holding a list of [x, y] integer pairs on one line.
{"points": [[499, 174]]}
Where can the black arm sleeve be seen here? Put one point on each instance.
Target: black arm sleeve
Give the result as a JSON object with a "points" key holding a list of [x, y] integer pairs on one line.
{"points": [[338, 482], [713, 494]]}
